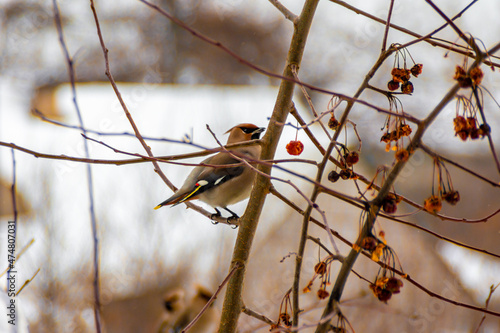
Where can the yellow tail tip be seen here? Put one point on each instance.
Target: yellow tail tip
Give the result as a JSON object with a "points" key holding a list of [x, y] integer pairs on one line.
{"points": [[159, 206]]}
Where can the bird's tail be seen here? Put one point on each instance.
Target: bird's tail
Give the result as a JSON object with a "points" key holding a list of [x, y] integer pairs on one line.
{"points": [[179, 198]]}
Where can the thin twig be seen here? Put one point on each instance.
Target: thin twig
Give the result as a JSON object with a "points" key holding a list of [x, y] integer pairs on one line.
{"points": [[441, 27], [285, 11], [309, 101], [387, 25], [447, 160], [122, 102], [257, 68], [492, 290], [256, 315], [427, 38], [488, 134], [212, 299], [469, 41], [39, 114], [93, 220]]}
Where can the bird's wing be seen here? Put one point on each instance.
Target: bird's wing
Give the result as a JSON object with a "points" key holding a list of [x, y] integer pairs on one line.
{"points": [[212, 177], [206, 179]]}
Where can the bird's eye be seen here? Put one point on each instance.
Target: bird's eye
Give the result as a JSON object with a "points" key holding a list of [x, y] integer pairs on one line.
{"points": [[247, 130]]}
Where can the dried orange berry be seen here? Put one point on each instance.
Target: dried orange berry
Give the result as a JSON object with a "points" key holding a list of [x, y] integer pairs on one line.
{"points": [[459, 72], [471, 122], [285, 319], [394, 285], [416, 70], [386, 138], [474, 133], [460, 123], [384, 295], [369, 243], [348, 174], [432, 204], [402, 155], [461, 126], [404, 129], [351, 158], [461, 76], [333, 123], [322, 294], [320, 268], [407, 87], [400, 74], [392, 85], [295, 147], [476, 75], [451, 197], [390, 203]]}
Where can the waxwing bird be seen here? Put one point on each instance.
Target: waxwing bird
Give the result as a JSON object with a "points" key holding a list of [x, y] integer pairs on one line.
{"points": [[219, 186]]}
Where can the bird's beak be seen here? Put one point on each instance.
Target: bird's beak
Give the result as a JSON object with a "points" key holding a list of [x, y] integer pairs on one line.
{"points": [[256, 133]]}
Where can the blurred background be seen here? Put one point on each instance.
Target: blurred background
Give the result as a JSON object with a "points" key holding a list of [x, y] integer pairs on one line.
{"points": [[157, 267]]}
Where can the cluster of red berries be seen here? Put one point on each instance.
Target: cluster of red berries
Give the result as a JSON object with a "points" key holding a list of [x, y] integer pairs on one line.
{"points": [[401, 77], [384, 287], [347, 161]]}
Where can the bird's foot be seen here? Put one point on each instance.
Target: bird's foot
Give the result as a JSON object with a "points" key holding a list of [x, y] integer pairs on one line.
{"points": [[233, 219], [213, 217]]}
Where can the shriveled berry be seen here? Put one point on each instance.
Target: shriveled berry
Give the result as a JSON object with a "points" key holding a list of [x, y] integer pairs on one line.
{"points": [[386, 138], [459, 72], [390, 206], [392, 85], [416, 70], [451, 197], [384, 295], [369, 243], [407, 88], [400, 74], [347, 174], [394, 285], [402, 155], [463, 80], [474, 133], [320, 268], [333, 123], [433, 204], [404, 129], [333, 176], [484, 130], [351, 158], [476, 75], [285, 319], [322, 294]]}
